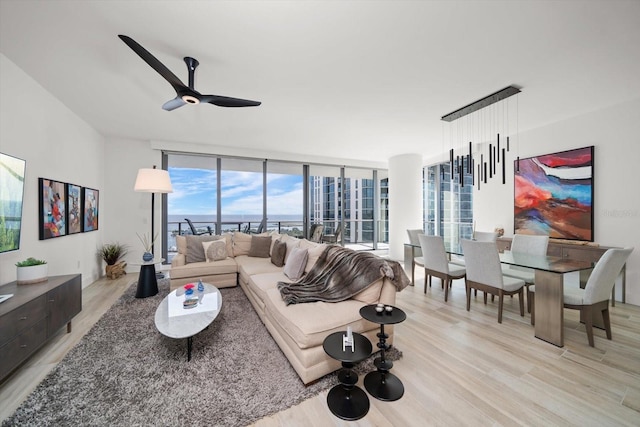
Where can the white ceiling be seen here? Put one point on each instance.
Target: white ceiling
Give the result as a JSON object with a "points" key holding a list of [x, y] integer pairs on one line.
{"points": [[351, 79]]}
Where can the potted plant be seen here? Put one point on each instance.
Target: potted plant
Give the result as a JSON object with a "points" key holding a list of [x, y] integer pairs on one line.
{"points": [[147, 244], [31, 271], [112, 254]]}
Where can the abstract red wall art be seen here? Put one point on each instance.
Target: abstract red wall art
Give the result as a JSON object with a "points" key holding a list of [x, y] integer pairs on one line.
{"points": [[553, 195]]}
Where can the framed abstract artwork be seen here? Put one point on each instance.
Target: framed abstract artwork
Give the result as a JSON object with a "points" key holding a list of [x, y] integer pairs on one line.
{"points": [[74, 208], [553, 195], [90, 203], [12, 172], [53, 208]]}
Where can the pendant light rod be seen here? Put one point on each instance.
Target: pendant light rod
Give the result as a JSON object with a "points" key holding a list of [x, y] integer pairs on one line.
{"points": [[481, 103]]}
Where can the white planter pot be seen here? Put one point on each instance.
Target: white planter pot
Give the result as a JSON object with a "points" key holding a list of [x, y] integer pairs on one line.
{"points": [[32, 274]]}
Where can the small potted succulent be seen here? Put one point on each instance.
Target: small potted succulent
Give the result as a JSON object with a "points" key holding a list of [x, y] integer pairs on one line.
{"points": [[31, 271], [112, 254]]}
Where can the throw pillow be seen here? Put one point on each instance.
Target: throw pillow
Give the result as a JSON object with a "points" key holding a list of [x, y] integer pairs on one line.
{"points": [[195, 251], [260, 246], [181, 243], [314, 254], [297, 261], [278, 252], [215, 251], [241, 244], [291, 242]]}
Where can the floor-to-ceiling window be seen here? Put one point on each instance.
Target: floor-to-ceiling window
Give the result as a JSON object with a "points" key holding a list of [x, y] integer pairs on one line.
{"points": [[225, 194], [359, 206], [194, 181], [448, 204], [241, 194], [325, 196], [285, 199]]}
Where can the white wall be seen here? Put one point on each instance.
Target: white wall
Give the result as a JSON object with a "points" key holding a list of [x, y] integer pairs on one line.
{"points": [[615, 133], [125, 211], [56, 144]]}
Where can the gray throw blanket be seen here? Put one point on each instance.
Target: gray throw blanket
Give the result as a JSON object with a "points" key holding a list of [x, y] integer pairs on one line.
{"points": [[341, 273]]}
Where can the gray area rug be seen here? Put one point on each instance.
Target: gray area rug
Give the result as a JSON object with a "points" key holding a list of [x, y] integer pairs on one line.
{"points": [[125, 373]]}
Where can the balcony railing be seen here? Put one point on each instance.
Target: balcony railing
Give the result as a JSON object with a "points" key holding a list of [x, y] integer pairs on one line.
{"points": [[358, 234]]}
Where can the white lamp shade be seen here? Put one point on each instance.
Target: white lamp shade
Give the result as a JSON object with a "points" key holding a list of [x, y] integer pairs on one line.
{"points": [[153, 181]]}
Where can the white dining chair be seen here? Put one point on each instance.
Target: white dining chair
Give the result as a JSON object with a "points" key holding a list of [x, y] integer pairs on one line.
{"points": [[485, 274], [480, 236], [530, 245], [594, 298], [417, 252], [485, 236], [436, 263]]}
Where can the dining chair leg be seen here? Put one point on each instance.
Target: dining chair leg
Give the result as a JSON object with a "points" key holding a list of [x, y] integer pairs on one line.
{"points": [[528, 298], [607, 321], [468, 289], [446, 289], [588, 323], [485, 298], [500, 304], [521, 298]]}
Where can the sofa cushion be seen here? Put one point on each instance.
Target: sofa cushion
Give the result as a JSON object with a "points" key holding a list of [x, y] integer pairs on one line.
{"points": [[371, 294], [294, 267], [195, 251], [201, 269], [248, 266], [215, 251], [309, 324], [278, 253], [260, 246], [314, 249], [241, 244], [261, 283]]}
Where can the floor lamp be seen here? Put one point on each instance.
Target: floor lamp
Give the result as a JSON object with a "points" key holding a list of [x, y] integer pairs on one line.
{"points": [[153, 181]]}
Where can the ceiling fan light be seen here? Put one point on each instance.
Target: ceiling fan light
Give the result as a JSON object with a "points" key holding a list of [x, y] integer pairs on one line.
{"points": [[190, 99]]}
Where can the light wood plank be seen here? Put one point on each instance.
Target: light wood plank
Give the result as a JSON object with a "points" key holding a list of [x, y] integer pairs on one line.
{"points": [[459, 367]]}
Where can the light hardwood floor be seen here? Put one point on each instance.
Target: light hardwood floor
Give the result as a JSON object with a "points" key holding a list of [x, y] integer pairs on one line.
{"points": [[459, 367]]}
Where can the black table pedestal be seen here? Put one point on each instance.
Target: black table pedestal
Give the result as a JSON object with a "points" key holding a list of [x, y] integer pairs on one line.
{"points": [[382, 384], [345, 400], [147, 282]]}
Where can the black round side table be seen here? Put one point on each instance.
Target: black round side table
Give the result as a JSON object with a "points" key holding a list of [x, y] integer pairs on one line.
{"points": [[346, 400], [382, 384]]}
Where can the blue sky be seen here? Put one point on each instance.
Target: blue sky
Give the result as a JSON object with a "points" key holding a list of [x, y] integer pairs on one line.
{"points": [[194, 193]]}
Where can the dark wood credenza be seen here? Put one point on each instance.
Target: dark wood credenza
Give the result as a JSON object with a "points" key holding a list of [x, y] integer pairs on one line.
{"points": [[33, 315]]}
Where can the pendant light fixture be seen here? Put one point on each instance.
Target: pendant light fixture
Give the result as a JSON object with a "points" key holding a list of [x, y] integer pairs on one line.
{"points": [[486, 128]]}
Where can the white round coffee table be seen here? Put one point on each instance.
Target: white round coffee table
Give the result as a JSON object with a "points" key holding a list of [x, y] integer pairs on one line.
{"points": [[174, 321]]}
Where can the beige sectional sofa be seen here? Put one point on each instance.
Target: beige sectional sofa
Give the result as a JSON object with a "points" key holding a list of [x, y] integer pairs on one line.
{"points": [[299, 329]]}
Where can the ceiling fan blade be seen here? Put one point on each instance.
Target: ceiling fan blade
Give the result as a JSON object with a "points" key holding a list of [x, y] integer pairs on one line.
{"points": [[171, 105], [154, 63], [225, 101]]}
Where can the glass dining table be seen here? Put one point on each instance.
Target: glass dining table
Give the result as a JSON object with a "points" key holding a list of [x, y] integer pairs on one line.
{"points": [[549, 273]]}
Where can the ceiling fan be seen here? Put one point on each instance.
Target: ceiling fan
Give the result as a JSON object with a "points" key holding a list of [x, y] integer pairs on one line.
{"points": [[184, 94]]}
